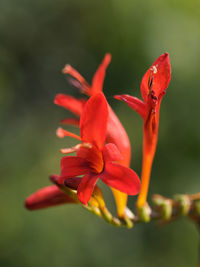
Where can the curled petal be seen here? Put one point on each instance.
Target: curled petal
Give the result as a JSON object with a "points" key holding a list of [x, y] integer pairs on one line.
{"points": [[86, 187], [138, 105], [121, 178], [47, 197], [99, 76], [61, 133], [93, 122], [73, 166], [157, 77], [70, 103], [111, 153]]}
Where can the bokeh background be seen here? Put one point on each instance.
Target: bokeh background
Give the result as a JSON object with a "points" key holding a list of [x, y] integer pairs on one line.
{"points": [[37, 38]]}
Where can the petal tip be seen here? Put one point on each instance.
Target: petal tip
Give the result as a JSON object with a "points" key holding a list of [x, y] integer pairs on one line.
{"points": [[118, 97], [121, 97], [108, 57], [82, 199]]}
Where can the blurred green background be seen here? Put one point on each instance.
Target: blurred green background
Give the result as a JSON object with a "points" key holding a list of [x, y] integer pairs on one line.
{"points": [[37, 38]]}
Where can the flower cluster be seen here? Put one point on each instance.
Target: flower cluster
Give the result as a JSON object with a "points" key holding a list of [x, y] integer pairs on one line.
{"points": [[104, 149]]}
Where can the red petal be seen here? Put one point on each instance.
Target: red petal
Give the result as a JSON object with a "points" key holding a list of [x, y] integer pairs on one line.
{"points": [[93, 156], [56, 179], [61, 133], [47, 197], [73, 183], [73, 166], [70, 121], [161, 73], [117, 135], [111, 153], [99, 76], [70, 103], [93, 122], [86, 187], [135, 103], [121, 178]]}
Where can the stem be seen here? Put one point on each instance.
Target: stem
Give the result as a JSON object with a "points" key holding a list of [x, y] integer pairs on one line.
{"points": [[146, 172], [150, 136]]}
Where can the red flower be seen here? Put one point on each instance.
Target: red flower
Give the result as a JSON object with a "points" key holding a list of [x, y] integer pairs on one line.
{"points": [[94, 160], [153, 86], [116, 133]]}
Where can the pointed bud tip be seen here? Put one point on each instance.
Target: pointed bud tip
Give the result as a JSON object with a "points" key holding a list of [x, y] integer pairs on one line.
{"points": [[28, 204], [31, 203], [164, 58]]}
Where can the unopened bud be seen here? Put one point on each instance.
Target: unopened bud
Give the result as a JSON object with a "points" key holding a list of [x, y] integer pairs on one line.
{"points": [[164, 205], [144, 213], [184, 203]]}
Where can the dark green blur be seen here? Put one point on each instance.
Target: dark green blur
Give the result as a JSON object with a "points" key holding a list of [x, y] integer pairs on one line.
{"points": [[37, 38]]}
